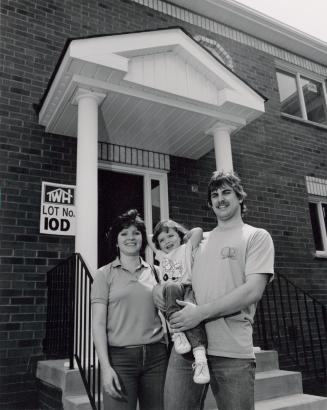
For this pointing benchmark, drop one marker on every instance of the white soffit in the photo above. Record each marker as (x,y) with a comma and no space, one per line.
(259,25)
(162,70)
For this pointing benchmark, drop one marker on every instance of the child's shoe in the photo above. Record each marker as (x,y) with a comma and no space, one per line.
(182,345)
(201,372)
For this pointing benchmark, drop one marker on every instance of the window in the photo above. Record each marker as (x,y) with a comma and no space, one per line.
(302,97)
(317,190)
(318,215)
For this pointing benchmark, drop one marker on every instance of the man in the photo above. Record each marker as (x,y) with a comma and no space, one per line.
(231,269)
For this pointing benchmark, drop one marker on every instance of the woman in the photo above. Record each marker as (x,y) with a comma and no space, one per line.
(127,330)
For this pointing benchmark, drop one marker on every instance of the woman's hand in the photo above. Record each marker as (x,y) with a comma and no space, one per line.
(111,383)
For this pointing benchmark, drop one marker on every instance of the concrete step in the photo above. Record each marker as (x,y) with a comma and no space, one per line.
(276,383)
(57,373)
(80,402)
(266,360)
(274,389)
(268,385)
(290,402)
(293,402)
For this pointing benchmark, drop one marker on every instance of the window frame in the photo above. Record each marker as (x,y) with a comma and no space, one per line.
(323,230)
(299,73)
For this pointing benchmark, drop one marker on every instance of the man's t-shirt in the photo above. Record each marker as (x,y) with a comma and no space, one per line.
(224,260)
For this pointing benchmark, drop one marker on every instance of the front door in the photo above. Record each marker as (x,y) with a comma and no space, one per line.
(118,192)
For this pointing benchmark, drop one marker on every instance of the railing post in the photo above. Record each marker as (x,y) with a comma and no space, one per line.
(263,323)
(72,274)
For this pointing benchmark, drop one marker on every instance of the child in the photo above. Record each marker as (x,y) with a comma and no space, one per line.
(176,258)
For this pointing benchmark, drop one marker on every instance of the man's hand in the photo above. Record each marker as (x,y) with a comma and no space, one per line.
(186,318)
(157,294)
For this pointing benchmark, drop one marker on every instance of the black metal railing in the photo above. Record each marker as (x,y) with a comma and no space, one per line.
(59,339)
(84,349)
(68,327)
(292,322)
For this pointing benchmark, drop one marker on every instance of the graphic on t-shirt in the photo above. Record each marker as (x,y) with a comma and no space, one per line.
(228,252)
(171,270)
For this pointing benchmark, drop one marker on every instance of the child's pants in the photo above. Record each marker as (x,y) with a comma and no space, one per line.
(172,291)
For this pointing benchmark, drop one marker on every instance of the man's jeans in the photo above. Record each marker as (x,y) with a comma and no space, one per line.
(172,291)
(232,383)
(141,371)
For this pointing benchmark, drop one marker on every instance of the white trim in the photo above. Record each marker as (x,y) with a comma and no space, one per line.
(292,68)
(208,88)
(301,96)
(298,74)
(299,119)
(321,254)
(174,101)
(317,190)
(322,223)
(324,91)
(147,212)
(252,26)
(316,187)
(131,169)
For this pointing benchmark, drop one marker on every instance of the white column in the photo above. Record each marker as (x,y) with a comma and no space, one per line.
(86,239)
(223,150)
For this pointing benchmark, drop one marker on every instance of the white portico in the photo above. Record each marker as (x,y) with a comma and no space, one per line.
(158,91)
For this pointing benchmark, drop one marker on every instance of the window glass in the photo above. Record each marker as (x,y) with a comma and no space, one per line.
(288,93)
(313,207)
(314,101)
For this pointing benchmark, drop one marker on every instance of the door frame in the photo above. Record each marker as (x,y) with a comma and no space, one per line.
(148,175)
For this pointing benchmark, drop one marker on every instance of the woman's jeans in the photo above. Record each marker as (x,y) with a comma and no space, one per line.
(172,291)
(232,383)
(141,371)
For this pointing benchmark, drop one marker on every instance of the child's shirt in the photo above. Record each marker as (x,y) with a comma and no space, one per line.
(176,265)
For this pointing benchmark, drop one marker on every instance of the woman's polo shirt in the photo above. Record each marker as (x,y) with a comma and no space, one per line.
(132,316)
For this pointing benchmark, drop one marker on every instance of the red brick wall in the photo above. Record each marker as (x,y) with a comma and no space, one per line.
(272,155)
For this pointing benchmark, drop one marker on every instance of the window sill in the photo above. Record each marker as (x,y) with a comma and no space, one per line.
(303,121)
(320,254)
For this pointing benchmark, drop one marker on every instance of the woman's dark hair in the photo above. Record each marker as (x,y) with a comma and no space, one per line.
(219,179)
(164,226)
(127,219)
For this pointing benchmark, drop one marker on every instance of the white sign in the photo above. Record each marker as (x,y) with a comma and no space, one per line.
(57,209)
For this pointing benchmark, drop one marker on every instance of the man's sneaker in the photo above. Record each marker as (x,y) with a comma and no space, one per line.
(201,372)
(182,345)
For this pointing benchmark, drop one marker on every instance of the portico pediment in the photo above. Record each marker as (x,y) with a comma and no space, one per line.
(163,91)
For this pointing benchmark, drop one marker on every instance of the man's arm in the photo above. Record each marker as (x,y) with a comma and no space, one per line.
(245,295)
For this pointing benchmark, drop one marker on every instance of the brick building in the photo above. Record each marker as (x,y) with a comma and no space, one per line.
(133,103)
